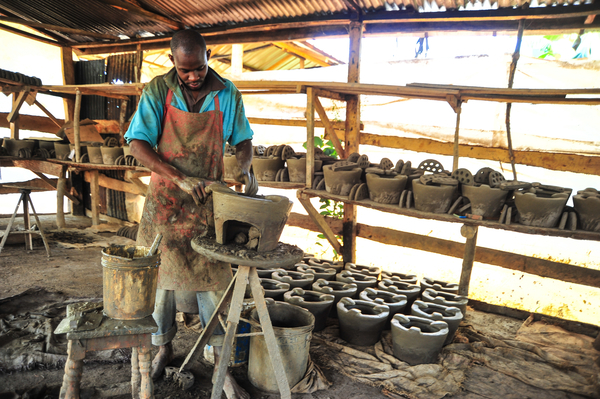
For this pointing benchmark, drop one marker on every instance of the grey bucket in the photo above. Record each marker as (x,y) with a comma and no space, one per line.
(293,327)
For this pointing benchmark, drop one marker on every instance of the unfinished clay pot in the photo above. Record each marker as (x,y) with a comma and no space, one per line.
(13,146)
(395,302)
(265,169)
(438,285)
(411,291)
(406,278)
(264,273)
(362,269)
(540,211)
(231,167)
(417,340)
(297,169)
(340,182)
(126,150)
(95,155)
(337,265)
(109,154)
(317,303)
(233,212)
(336,288)
(362,281)
(294,279)
(47,145)
(485,201)
(430,198)
(62,151)
(446,299)
(361,322)
(319,272)
(587,205)
(385,189)
(274,289)
(432,311)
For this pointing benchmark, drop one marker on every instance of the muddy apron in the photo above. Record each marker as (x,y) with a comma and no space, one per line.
(192,143)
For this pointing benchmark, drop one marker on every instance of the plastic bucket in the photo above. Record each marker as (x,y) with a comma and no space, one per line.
(129,281)
(293,327)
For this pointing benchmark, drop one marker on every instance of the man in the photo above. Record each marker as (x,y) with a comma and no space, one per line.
(188,115)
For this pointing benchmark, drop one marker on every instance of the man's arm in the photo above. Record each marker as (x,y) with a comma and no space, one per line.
(243,154)
(194,186)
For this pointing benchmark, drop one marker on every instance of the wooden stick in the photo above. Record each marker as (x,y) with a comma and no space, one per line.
(76,130)
(50,183)
(456,139)
(329,131)
(48,114)
(511,79)
(310,136)
(122,114)
(319,220)
(95,193)
(18,100)
(470,233)
(61,188)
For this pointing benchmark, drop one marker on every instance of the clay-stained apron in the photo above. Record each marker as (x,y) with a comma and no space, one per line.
(193,143)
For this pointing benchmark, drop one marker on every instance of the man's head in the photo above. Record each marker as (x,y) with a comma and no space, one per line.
(190,57)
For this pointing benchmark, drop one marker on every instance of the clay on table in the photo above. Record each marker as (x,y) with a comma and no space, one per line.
(297,169)
(431,198)
(362,281)
(294,279)
(411,291)
(341,182)
(14,145)
(262,219)
(362,269)
(451,315)
(540,211)
(438,285)
(273,288)
(446,299)
(396,302)
(319,272)
(406,278)
(587,205)
(485,200)
(265,169)
(385,189)
(361,322)
(336,288)
(317,303)
(417,340)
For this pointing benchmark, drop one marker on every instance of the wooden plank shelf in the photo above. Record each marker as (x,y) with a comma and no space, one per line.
(390,208)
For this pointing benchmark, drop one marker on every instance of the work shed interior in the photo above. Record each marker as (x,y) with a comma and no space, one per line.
(426,225)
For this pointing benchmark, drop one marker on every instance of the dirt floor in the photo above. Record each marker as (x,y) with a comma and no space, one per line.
(74,271)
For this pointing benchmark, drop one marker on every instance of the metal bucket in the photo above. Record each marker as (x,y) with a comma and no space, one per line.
(129,281)
(293,327)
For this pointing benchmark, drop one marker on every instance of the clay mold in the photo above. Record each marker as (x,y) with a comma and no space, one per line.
(109,154)
(540,211)
(411,291)
(417,340)
(587,205)
(338,289)
(446,299)
(294,279)
(362,281)
(337,265)
(385,189)
(432,311)
(362,269)
(319,272)
(485,201)
(396,302)
(438,285)
(14,145)
(265,169)
(341,182)
(94,153)
(405,278)
(297,169)
(432,198)
(317,303)
(361,322)
(273,288)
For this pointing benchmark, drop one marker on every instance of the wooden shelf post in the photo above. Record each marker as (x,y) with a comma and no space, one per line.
(470,233)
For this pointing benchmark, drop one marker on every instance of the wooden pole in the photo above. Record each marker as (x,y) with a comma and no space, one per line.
(68,70)
(511,79)
(95,193)
(237,60)
(122,114)
(455,150)
(310,136)
(76,130)
(470,233)
(352,136)
(61,188)
(14,124)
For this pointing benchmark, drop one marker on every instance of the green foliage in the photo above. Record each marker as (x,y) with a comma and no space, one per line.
(326,146)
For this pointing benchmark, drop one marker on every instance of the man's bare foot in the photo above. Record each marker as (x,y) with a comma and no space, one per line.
(164,356)
(230,387)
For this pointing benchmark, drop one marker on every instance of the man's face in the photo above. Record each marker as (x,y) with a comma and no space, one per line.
(191,67)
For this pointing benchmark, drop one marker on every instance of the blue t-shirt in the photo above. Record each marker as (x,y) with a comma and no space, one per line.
(148,119)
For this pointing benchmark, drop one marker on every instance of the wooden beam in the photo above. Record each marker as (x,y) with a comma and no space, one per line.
(279,63)
(113,184)
(329,130)
(95,196)
(228,62)
(293,122)
(52,184)
(48,114)
(323,53)
(59,28)
(30,35)
(18,100)
(310,136)
(304,53)
(46,167)
(331,95)
(319,220)
(68,71)
(237,60)
(548,160)
(35,184)
(133,9)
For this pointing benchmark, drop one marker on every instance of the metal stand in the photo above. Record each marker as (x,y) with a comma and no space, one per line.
(26,220)
(234,298)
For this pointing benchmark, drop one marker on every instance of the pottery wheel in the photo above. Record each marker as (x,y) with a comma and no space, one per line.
(284,256)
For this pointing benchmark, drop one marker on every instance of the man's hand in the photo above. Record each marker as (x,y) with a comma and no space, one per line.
(250,182)
(195,187)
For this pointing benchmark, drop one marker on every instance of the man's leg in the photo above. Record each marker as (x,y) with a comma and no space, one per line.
(164,315)
(207,303)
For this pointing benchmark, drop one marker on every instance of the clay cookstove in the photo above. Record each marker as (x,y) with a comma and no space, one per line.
(256,222)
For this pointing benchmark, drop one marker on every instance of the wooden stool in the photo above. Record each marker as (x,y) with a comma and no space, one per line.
(26,199)
(112,334)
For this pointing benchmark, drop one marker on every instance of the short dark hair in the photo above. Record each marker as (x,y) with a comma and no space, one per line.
(187,41)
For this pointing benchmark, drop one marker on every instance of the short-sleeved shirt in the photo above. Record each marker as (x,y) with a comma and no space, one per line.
(147,122)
